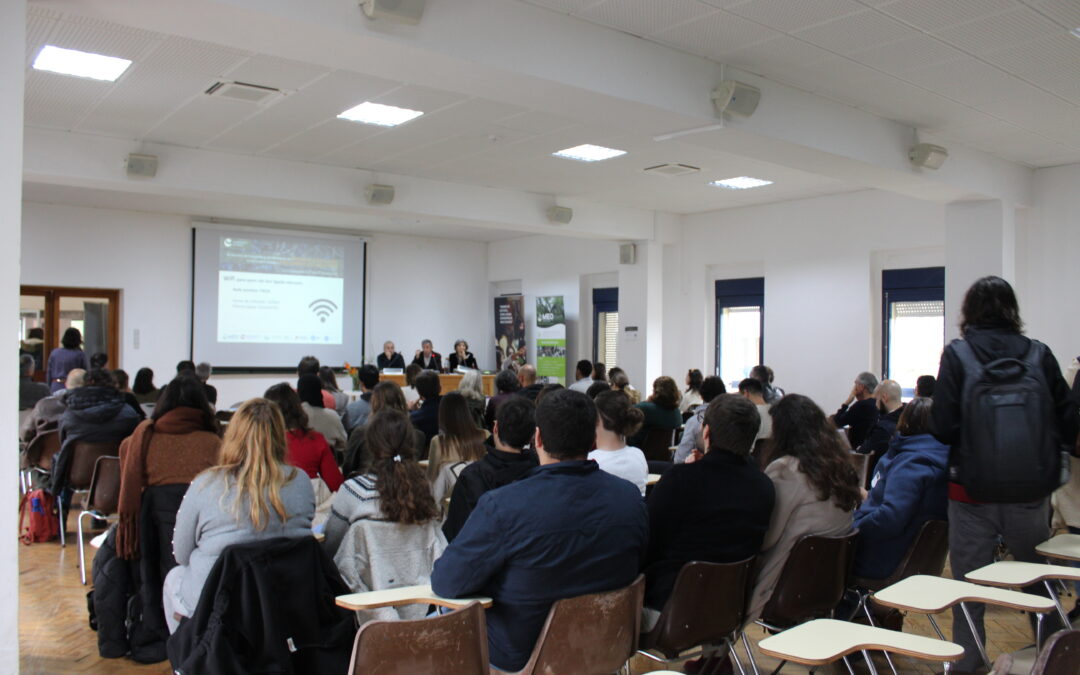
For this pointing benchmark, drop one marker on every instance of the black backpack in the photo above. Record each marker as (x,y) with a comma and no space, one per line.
(1010,448)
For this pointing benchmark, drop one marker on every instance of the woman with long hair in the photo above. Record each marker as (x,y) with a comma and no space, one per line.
(251,495)
(143,387)
(661,409)
(385,396)
(472,388)
(459,443)
(65,359)
(177,443)
(691,398)
(320,418)
(817,488)
(616,419)
(330,386)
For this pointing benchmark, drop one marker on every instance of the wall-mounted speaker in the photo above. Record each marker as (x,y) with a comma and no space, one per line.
(398,11)
(560,214)
(627,254)
(736,98)
(928,155)
(379,195)
(141,166)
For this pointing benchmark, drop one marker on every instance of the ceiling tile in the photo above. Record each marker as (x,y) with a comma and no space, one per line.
(59,101)
(1046,55)
(564,5)
(1036,110)
(645,17)
(966,80)
(714,35)
(38,28)
(323,139)
(199,120)
(999,31)
(939,14)
(787,16)
(267,71)
(856,32)
(417,97)
(907,54)
(780,53)
(535,122)
(1065,12)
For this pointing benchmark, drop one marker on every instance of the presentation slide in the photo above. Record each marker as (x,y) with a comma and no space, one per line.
(265,298)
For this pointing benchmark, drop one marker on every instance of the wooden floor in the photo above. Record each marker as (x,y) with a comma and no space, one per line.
(55,636)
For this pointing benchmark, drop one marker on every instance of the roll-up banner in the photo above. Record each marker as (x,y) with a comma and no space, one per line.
(551,338)
(509,331)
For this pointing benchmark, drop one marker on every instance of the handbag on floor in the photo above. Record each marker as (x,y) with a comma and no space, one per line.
(44,523)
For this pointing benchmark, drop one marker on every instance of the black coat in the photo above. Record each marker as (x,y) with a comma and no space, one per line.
(395,361)
(426,419)
(436,361)
(877,441)
(261,599)
(495,469)
(469,361)
(114,584)
(860,416)
(92,414)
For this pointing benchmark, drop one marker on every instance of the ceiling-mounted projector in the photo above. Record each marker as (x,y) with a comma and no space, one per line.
(407,12)
(736,98)
(928,155)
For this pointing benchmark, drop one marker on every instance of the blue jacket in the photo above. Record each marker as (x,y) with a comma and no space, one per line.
(910,487)
(562,530)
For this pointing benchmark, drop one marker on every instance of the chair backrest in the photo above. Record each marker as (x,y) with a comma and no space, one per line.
(657,444)
(449,643)
(707,604)
(861,462)
(1060,655)
(926,555)
(593,634)
(224,416)
(813,580)
(41,450)
(84,455)
(105,486)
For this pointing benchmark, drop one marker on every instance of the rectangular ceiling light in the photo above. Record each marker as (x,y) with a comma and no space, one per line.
(379,114)
(1076,32)
(589,153)
(80,64)
(741,183)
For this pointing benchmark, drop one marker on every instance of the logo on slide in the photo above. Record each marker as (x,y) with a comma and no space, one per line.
(323,308)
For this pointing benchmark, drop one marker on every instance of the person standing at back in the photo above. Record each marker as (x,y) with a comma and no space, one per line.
(68,357)
(1002,468)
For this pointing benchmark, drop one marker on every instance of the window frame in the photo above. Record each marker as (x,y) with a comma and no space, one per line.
(913,284)
(603,300)
(745,292)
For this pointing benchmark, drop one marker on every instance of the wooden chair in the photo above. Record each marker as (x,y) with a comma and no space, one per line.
(657,444)
(101,501)
(450,644)
(84,456)
(1060,656)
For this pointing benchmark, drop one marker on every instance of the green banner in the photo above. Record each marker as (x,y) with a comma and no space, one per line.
(551,338)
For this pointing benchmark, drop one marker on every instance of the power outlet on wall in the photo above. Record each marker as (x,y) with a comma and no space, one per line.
(135,338)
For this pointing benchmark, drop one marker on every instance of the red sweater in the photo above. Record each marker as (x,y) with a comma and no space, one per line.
(308,450)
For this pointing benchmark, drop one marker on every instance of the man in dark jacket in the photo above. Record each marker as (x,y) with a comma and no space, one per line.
(887,397)
(503,464)
(565,529)
(426,417)
(859,411)
(530,388)
(991,327)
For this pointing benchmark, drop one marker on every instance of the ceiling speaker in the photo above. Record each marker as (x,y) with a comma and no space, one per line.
(928,155)
(141,166)
(736,98)
(407,12)
(560,214)
(627,254)
(380,195)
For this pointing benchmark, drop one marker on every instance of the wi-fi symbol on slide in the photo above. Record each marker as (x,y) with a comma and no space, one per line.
(323,308)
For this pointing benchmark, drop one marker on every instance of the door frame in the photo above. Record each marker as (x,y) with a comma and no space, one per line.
(52,315)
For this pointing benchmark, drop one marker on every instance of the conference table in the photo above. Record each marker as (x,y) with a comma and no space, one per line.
(448,382)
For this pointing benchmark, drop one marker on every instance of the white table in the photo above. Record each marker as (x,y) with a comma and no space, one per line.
(406,595)
(1062,547)
(652,479)
(1013,574)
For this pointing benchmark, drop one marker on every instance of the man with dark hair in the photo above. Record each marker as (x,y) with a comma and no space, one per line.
(716,510)
(753,391)
(30,392)
(356,413)
(859,411)
(596,388)
(924,386)
(99,360)
(582,376)
(506,385)
(426,417)
(564,529)
(599,372)
(309,365)
(530,388)
(764,375)
(185,366)
(692,441)
(515,424)
(427,358)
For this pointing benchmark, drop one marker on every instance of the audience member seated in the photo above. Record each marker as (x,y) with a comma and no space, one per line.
(121,378)
(889,406)
(389,358)
(63,360)
(764,375)
(99,360)
(356,412)
(530,388)
(817,488)
(619,381)
(596,388)
(307,449)
(924,386)
(506,384)
(320,419)
(616,419)
(30,392)
(252,495)
(459,443)
(753,391)
(412,397)
(309,365)
(505,463)
(95,412)
(385,396)
(179,441)
(143,388)
(909,488)
(565,529)
(383,529)
(582,376)
(34,345)
(693,441)
(472,388)
(715,510)
(661,410)
(330,386)
(691,398)
(427,358)
(203,371)
(599,372)
(47,412)
(426,416)
(860,417)
(547,389)
(461,357)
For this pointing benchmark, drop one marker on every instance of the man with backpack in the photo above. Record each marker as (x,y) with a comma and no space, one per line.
(1004,407)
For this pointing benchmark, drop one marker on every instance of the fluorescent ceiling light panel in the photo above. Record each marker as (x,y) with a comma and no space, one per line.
(589,153)
(80,64)
(1076,32)
(741,183)
(379,114)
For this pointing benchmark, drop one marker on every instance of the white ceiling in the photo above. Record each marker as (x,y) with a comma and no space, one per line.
(1002,76)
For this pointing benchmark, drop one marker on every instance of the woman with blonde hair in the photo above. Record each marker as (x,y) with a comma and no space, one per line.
(251,495)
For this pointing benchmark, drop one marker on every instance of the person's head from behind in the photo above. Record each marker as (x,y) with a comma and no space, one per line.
(99,360)
(547,389)
(99,377)
(711,387)
(599,372)
(888,393)
(752,390)
(565,426)
(411,371)
(328,378)
(665,393)
(388,396)
(598,387)
(506,382)
(309,365)
(26,365)
(35,334)
(72,338)
(762,374)
(865,384)
(76,378)
(455,418)
(404,491)
(288,402)
(694,379)
(309,389)
(801,431)
(186,366)
(203,370)
(427,385)
(616,414)
(527,375)
(618,379)
(253,462)
(515,423)
(730,424)
(121,378)
(991,303)
(368,376)
(584,369)
(925,385)
(185,391)
(144,381)
(472,385)
(915,419)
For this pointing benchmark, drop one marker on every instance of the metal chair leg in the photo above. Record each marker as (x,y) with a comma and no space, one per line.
(870,618)
(1057,603)
(847,663)
(63,521)
(749,652)
(82,554)
(975,636)
(869,662)
(735,657)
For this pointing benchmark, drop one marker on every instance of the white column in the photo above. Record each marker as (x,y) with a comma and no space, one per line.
(12,66)
(980,240)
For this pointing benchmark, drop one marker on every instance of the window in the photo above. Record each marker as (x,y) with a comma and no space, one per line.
(740,328)
(913,324)
(606,326)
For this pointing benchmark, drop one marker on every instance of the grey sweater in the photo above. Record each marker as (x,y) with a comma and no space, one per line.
(206,524)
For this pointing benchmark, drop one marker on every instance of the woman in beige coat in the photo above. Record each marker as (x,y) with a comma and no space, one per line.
(817,489)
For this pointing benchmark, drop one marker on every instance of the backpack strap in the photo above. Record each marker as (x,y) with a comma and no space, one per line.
(971,363)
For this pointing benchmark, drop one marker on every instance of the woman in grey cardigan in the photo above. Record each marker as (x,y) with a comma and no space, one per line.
(251,495)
